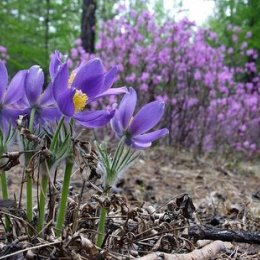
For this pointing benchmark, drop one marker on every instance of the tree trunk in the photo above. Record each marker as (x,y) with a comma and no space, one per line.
(88,22)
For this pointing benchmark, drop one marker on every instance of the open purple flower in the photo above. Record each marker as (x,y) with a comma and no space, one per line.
(134,128)
(87,83)
(43,102)
(10,96)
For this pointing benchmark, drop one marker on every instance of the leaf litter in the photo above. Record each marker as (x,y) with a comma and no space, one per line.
(152,213)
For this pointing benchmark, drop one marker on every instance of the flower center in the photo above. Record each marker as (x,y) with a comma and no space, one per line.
(79,100)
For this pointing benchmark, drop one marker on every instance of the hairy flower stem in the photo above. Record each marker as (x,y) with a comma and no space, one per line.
(43,194)
(4,187)
(29,206)
(56,134)
(101,226)
(112,167)
(32,116)
(64,195)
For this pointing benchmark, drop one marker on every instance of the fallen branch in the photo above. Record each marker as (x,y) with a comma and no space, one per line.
(205,253)
(212,233)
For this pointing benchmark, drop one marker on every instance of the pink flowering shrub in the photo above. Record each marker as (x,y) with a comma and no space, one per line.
(212,101)
(3,54)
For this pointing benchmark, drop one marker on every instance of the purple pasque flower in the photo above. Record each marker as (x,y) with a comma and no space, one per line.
(43,102)
(10,96)
(86,84)
(134,128)
(55,63)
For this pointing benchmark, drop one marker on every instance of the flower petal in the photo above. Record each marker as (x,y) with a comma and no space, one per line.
(3,78)
(127,107)
(149,115)
(47,98)
(87,115)
(33,84)
(65,102)
(111,91)
(95,119)
(11,115)
(55,63)
(90,78)
(60,82)
(117,126)
(15,90)
(140,146)
(48,114)
(150,137)
(110,78)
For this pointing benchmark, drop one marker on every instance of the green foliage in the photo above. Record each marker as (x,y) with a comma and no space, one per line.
(242,13)
(159,10)
(32,29)
(106,9)
(113,166)
(162,14)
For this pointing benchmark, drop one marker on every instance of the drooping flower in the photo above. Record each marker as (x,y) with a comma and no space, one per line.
(43,102)
(134,128)
(10,96)
(86,84)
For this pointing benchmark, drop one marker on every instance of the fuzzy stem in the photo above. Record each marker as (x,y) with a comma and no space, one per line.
(4,187)
(29,207)
(32,116)
(56,134)
(43,194)
(29,204)
(101,226)
(64,196)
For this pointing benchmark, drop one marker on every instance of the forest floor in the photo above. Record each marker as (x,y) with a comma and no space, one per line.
(225,194)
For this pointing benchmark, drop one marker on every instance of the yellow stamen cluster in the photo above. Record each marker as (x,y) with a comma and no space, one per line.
(79,100)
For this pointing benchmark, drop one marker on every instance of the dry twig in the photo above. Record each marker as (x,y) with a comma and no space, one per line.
(205,253)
